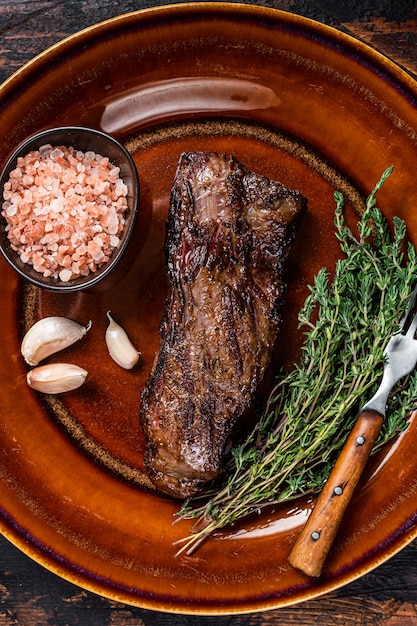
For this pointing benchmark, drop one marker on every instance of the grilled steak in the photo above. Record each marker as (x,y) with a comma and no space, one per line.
(228,235)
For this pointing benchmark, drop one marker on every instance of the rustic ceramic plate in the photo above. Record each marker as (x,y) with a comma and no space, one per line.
(292,99)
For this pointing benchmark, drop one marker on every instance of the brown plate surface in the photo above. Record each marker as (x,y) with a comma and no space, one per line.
(292,99)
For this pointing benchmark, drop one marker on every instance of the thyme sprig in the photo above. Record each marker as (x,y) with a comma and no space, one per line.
(311,410)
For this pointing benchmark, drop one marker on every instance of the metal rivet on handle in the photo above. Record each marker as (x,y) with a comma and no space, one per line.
(338,491)
(315,535)
(360,440)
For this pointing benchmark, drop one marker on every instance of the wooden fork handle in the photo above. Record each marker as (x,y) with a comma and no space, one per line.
(312,546)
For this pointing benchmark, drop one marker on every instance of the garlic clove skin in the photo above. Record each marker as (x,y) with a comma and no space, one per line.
(120,348)
(56,377)
(50,335)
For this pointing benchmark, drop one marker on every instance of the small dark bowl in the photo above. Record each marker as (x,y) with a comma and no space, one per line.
(84,139)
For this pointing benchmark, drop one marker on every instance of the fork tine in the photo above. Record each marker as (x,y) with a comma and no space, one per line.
(413,327)
(405,320)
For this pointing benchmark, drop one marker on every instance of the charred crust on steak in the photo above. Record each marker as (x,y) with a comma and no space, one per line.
(229,232)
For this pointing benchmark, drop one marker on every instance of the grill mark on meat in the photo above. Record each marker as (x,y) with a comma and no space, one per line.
(229,232)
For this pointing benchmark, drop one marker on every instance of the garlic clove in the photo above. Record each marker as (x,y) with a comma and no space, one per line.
(56,377)
(50,335)
(120,348)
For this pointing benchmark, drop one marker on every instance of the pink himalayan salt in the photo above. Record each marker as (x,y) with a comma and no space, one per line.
(65,210)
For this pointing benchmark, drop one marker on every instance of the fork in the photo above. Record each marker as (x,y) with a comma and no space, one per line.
(315,540)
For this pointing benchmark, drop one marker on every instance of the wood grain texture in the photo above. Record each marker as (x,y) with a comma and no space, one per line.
(29,594)
(309,552)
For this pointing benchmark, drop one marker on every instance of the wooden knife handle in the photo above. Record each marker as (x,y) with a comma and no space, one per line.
(312,546)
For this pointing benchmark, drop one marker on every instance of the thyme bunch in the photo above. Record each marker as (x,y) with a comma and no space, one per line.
(347,322)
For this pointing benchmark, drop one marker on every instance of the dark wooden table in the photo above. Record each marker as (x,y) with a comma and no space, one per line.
(30,595)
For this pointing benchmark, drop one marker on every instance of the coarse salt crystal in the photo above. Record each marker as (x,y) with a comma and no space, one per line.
(56,153)
(65,275)
(11,210)
(45,149)
(16,173)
